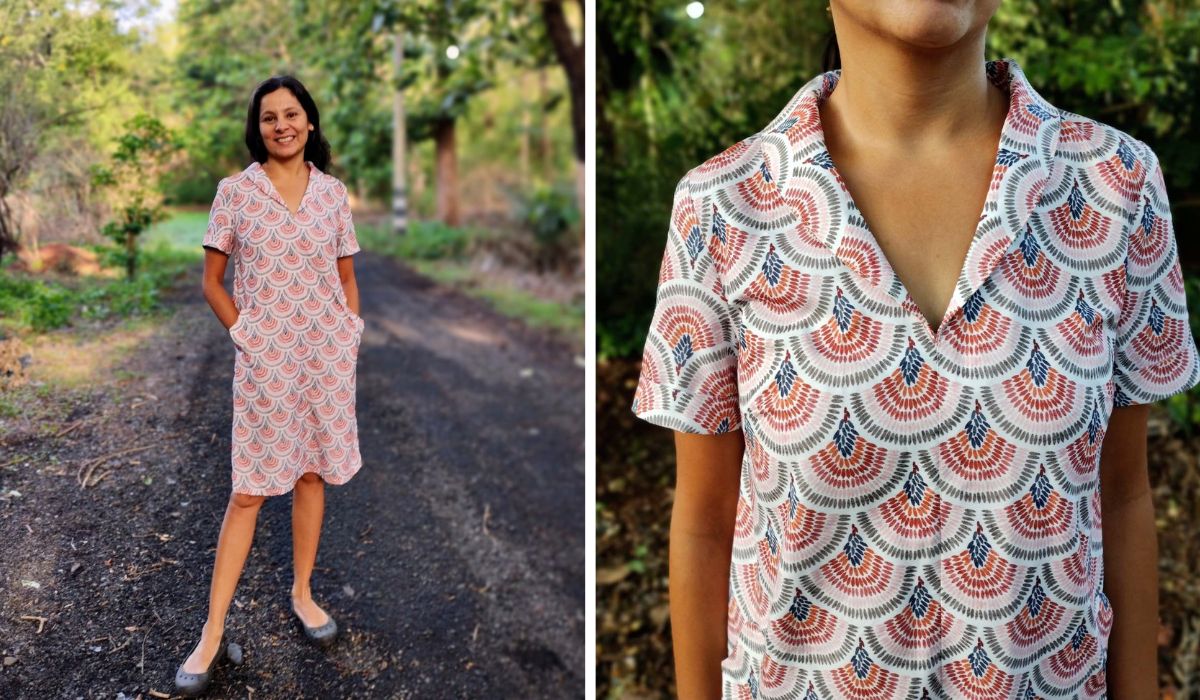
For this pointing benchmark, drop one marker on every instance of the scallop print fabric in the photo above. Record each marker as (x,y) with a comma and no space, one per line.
(919,511)
(296,338)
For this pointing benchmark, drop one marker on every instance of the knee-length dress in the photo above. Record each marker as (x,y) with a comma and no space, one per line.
(296,338)
(919,510)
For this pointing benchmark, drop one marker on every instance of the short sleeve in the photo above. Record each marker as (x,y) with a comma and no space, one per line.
(219,235)
(1156,354)
(347,239)
(688,379)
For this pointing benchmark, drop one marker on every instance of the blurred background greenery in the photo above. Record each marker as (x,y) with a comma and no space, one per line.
(677,83)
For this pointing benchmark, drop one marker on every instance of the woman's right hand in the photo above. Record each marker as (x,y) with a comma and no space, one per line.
(707,476)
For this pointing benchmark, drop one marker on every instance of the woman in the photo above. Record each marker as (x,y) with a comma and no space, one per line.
(924,347)
(293,320)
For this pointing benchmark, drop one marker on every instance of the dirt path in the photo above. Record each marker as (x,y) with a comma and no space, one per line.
(454,560)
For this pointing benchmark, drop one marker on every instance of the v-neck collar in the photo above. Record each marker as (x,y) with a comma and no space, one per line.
(263,181)
(1028,141)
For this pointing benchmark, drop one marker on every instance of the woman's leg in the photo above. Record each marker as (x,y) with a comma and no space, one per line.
(308,510)
(237,532)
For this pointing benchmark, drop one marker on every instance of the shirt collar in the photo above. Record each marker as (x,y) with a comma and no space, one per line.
(261,180)
(812,188)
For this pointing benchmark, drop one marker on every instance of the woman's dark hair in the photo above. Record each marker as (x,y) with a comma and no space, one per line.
(316,148)
(831,59)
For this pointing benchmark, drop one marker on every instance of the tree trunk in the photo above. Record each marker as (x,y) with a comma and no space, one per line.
(130,255)
(526,136)
(571,58)
(545,151)
(8,230)
(364,192)
(447,172)
(399,141)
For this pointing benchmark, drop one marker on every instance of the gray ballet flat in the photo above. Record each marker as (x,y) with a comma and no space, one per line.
(192,685)
(323,635)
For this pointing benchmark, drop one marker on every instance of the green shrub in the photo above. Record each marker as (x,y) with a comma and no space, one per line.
(45,304)
(550,213)
(50,307)
(424,240)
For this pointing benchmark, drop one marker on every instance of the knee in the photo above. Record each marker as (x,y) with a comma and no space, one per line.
(310,478)
(246,501)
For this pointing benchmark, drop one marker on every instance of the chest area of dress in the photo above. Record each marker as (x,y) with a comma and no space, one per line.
(268,232)
(825,341)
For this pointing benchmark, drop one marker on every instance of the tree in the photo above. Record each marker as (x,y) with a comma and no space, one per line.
(58,69)
(131,180)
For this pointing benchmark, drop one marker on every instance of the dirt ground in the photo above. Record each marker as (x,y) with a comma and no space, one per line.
(453,562)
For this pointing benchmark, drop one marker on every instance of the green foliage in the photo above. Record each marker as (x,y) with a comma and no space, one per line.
(676,91)
(1135,66)
(550,213)
(425,240)
(63,74)
(342,52)
(41,305)
(433,240)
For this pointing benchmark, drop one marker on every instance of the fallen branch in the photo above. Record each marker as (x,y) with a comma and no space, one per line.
(88,468)
(69,428)
(35,618)
(13,461)
(132,573)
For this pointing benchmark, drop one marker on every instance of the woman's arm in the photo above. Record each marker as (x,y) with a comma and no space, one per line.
(345,267)
(708,468)
(1130,556)
(214,287)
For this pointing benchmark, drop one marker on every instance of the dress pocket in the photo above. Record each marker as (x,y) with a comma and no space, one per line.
(356,322)
(244,320)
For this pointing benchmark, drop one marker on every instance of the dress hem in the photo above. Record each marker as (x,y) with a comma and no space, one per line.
(292,487)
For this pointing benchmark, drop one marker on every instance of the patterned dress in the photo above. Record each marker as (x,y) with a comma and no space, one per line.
(296,338)
(919,511)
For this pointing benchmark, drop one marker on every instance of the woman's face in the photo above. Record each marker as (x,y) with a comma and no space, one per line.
(283,124)
(921,24)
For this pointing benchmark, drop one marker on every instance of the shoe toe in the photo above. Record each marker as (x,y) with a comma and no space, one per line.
(190,684)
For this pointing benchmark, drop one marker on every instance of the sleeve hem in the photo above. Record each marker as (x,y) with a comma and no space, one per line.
(1135,393)
(675,421)
(676,417)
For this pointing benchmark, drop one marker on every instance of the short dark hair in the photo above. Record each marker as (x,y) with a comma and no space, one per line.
(316,149)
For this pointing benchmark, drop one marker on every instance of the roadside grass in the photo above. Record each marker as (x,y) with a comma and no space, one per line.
(442,253)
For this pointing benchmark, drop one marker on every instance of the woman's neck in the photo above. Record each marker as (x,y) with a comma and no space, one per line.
(294,167)
(891,97)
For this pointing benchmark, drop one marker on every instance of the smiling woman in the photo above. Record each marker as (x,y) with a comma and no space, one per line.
(292,321)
